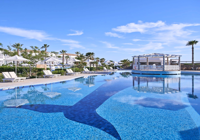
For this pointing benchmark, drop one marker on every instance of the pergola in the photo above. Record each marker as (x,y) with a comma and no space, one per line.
(158,55)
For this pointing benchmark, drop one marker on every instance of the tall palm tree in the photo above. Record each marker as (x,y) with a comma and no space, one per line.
(18,47)
(78,53)
(102,60)
(45,46)
(97,61)
(63,58)
(1,47)
(90,55)
(67,57)
(192,43)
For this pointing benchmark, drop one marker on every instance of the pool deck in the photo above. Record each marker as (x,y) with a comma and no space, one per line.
(190,72)
(36,81)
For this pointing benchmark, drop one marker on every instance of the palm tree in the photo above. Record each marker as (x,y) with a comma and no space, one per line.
(63,58)
(90,55)
(67,57)
(1,47)
(193,42)
(45,47)
(78,53)
(102,60)
(97,61)
(18,47)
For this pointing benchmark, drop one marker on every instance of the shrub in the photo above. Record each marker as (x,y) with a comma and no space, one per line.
(62,72)
(23,71)
(76,69)
(91,68)
(1,77)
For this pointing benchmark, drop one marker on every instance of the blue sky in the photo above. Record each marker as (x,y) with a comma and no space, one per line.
(112,29)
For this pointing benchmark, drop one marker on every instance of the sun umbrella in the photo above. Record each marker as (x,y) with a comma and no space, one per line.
(99,64)
(16,58)
(88,60)
(52,59)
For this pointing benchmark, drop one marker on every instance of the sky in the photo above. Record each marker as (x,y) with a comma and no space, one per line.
(112,29)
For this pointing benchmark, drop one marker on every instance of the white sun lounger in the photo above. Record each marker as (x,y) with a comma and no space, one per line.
(87,71)
(13,75)
(112,69)
(50,73)
(7,77)
(46,74)
(69,72)
(104,68)
(73,72)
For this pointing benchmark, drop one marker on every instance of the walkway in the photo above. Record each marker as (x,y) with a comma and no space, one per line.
(27,82)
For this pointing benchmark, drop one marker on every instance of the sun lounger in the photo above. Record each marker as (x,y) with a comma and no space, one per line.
(50,73)
(69,72)
(73,72)
(87,71)
(46,74)
(7,77)
(13,75)
(112,69)
(104,68)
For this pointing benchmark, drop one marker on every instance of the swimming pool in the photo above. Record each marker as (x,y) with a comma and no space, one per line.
(115,106)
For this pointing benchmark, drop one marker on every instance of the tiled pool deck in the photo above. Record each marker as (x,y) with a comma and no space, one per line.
(28,82)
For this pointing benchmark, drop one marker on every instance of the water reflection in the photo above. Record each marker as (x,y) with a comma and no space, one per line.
(163,88)
(193,96)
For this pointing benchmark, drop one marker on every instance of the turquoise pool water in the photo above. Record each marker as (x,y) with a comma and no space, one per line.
(110,107)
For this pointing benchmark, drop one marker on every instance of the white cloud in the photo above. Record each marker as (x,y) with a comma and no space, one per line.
(68,41)
(128,43)
(113,34)
(140,27)
(30,34)
(76,33)
(168,34)
(38,35)
(135,40)
(72,46)
(109,45)
(143,48)
(149,46)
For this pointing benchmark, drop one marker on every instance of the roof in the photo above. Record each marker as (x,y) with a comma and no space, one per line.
(158,55)
(69,54)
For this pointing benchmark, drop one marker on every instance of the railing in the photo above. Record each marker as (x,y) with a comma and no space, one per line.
(156,68)
(171,67)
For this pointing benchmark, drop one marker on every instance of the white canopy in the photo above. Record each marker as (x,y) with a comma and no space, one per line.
(76,60)
(158,55)
(88,60)
(16,58)
(52,59)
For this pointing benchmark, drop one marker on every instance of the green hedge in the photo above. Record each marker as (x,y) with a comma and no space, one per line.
(62,72)
(1,77)
(19,69)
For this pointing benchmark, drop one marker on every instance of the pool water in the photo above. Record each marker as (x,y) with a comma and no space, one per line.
(110,107)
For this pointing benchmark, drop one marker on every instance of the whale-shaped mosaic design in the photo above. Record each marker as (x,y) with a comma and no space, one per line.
(84,111)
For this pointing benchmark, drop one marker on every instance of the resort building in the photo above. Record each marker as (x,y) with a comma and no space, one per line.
(69,61)
(156,63)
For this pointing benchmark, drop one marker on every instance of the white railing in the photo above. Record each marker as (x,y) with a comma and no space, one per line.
(156,67)
(171,67)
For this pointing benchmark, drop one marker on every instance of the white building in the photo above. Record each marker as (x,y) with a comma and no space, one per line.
(150,63)
(70,60)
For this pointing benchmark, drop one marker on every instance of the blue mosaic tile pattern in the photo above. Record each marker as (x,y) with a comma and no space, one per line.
(99,107)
